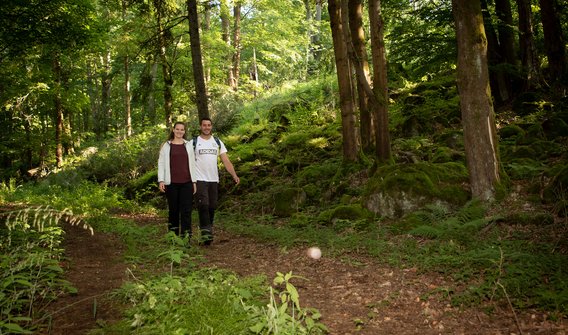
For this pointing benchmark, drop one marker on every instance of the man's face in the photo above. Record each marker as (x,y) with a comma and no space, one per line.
(206,127)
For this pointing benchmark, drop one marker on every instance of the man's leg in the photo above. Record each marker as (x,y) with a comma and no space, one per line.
(172,194)
(203,210)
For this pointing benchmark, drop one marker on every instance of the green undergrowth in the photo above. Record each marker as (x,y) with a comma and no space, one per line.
(169,290)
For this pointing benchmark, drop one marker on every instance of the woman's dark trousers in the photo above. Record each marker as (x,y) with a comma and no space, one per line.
(180,201)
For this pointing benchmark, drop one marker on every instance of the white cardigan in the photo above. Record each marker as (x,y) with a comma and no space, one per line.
(164,162)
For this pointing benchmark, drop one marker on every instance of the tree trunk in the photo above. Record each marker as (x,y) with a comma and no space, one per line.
(506,31)
(475,100)
(226,37)
(58,112)
(379,109)
(553,39)
(127,111)
(529,60)
(208,4)
(105,111)
(348,120)
(362,65)
(497,78)
(166,67)
(237,45)
(196,60)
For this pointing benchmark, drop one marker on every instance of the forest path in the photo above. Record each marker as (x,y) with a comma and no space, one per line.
(355,294)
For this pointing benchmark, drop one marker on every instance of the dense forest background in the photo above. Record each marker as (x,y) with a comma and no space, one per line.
(426,132)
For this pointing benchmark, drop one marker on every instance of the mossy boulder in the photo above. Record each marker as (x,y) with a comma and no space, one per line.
(556,191)
(511,132)
(399,189)
(287,200)
(352,212)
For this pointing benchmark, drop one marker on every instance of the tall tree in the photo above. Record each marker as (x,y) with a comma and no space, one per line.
(529,60)
(164,40)
(348,120)
(196,59)
(553,39)
(500,83)
(380,89)
(126,62)
(236,60)
(361,63)
(225,16)
(506,31)
(475,100)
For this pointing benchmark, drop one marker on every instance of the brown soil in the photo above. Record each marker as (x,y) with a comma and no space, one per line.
(355,294)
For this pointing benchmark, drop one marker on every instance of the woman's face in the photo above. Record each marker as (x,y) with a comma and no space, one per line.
(179,131)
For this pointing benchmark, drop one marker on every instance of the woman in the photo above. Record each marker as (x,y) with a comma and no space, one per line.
(175,164)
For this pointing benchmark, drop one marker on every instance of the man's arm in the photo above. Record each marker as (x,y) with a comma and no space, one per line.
(229,167)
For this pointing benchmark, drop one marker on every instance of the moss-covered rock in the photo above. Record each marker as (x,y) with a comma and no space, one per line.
(352,212)
(511,132)
(396,190)
(557,189)
(287,200)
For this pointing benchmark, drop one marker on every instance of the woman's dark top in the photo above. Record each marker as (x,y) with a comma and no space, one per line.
(179,164)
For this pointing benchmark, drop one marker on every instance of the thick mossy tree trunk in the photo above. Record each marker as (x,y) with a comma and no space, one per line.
(478,116)
(196,60)
(380,108)
(362,70)
(348,121)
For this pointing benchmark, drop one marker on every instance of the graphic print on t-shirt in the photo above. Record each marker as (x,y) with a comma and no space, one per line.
(207,152)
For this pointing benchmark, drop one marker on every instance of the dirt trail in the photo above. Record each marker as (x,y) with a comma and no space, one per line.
(355,295)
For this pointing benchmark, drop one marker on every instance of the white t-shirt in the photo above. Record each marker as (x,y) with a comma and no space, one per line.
(206,153)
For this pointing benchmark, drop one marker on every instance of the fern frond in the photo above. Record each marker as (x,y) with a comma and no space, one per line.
(426,231)
(40,218)
(473,210)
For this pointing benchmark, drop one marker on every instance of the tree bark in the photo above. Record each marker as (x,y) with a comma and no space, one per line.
(348,121)
(196,60)
(553,39)
(362,72)
(166,67)
(529,60)
(475,100)
(237,45)
(497,78)
(106,110)
(379,109)
(126,61)
(58,112)
(226,37)
(506,31)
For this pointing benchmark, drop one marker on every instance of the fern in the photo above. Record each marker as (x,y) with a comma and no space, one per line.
(39,219)
(426,232)
(473,210)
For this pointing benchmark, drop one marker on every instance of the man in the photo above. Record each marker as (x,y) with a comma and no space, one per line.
(206,175)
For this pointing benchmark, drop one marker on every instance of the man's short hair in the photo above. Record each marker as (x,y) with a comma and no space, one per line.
(206,118)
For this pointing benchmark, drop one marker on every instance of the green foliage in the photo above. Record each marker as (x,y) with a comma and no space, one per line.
(119,162)
(212,301)
(286,316)
(30,273)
